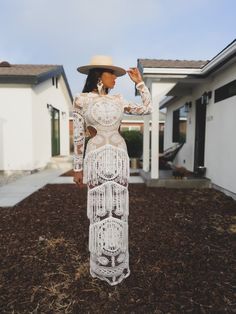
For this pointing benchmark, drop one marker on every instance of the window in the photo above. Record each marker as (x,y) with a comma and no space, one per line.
(55,81)
(179,125)
(225,91)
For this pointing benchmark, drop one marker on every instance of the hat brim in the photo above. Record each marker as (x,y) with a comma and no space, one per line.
(117,70)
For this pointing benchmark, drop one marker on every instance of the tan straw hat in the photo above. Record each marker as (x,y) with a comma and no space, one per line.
(104,62)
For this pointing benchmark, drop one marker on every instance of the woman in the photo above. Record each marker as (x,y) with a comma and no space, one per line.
(105,166)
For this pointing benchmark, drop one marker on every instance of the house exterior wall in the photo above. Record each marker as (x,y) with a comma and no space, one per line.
(46,94)
(220,150)
(25,124)
(15,127)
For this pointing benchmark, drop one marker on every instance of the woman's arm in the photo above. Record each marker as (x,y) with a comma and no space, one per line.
(146,106)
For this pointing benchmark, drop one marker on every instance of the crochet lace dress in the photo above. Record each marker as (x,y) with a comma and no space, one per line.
(106,173)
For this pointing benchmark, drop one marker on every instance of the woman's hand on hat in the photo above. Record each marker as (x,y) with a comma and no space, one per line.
(78,178)
(135,75)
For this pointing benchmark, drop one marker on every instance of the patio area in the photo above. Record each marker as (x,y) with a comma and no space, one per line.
(168,180)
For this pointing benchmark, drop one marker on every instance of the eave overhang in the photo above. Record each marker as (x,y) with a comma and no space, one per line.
(35,79)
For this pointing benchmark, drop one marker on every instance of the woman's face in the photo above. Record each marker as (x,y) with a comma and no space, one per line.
(108,79)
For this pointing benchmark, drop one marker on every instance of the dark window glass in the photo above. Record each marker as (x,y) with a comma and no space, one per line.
(225,91)
(175,134)
(179,126)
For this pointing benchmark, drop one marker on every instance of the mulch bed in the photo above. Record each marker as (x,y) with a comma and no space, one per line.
(181,254)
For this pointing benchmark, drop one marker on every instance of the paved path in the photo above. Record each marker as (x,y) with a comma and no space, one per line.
(14,192)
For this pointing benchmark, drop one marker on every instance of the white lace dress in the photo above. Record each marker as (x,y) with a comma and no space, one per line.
(106,172)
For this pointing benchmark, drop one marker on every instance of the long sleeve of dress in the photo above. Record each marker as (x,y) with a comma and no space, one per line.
(139,109)
(79,133)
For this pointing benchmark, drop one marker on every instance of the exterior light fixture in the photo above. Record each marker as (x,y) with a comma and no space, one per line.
(50,108)
(205,98)
(63,113)
(187,106)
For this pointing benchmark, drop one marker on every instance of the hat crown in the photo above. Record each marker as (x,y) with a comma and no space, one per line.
(101,60)
(104,62)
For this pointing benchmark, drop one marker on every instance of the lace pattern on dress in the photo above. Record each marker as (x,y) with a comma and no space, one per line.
(106,200)
(107,163)
(106,172)
(79,134)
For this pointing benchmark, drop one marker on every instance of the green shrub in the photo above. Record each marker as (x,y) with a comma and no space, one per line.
(161,141)
(134,142)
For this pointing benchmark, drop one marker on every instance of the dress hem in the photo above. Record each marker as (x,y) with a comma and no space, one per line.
(122,277)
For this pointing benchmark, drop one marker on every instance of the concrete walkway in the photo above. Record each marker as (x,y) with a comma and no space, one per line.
(14,192)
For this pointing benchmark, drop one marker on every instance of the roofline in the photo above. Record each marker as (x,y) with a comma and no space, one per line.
(66,82)
(220,59)
(224,56)
(36,79)
(215,63)
(226,48)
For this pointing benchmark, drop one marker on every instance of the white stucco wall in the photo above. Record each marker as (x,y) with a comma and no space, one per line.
(220,148)
(43,94)
(15,128)
(25,124)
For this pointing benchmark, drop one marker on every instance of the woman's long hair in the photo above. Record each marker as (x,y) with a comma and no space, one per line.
(92,80)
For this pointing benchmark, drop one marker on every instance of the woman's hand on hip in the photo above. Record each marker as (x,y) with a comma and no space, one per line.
(135,75)
(78,178)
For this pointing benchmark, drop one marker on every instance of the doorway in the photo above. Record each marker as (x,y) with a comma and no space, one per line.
(55,131)
(200,132)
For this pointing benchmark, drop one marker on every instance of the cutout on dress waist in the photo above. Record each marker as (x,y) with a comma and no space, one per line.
(92,131)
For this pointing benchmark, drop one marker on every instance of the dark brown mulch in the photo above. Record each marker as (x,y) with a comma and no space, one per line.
(181,254)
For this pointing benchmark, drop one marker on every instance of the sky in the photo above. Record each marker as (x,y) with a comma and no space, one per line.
(70,32)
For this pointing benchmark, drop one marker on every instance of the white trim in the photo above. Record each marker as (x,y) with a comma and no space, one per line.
(219,58)
(158,77)
(171,71)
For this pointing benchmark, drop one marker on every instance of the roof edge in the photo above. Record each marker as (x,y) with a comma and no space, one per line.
(221,58)
(56,72)
(36,79)
(217,61)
